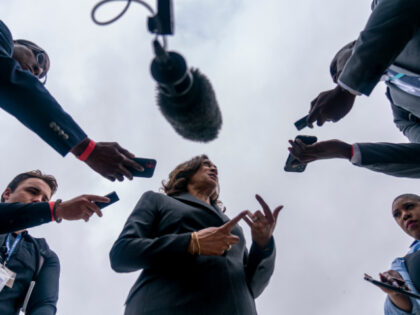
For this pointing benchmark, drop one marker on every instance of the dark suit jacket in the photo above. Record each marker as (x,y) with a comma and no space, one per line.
(20,216)
(390,39)
(412,262)
(155,238)
(24,261)
(23,96)
(401,159)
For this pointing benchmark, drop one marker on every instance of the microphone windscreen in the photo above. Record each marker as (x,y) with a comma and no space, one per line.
(195,115)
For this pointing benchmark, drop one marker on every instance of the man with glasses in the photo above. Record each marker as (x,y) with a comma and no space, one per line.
(22,65)
(23,52)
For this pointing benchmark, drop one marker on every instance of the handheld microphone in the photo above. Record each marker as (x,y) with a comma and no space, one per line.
(185,97)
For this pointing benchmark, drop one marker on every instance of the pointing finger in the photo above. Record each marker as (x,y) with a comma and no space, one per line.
(96,198)
(228,226)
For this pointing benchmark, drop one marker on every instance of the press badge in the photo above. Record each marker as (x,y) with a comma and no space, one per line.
(7,277)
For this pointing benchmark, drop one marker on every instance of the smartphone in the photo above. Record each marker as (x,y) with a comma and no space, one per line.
(113,197)
(149,167)
(290,159)
(391,287)
(301,123)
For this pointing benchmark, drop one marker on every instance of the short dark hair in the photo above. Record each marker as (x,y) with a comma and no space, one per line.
(346,49)
(48,179)
(35,49)
(413,196)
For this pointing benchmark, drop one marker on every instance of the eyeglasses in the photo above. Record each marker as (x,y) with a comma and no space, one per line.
(40,55)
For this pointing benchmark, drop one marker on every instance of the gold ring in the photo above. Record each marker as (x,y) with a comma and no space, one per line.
(229,247)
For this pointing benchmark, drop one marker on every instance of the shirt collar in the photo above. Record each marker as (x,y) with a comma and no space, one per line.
(415,246)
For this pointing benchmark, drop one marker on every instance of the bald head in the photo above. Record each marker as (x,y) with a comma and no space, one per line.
(409,196)
(406,212)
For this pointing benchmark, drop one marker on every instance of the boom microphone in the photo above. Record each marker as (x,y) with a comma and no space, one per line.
(185,97)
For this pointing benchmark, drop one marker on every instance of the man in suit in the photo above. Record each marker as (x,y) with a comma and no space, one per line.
(29,270)
(405,271)
(388,46)
(17,215)
(25,97)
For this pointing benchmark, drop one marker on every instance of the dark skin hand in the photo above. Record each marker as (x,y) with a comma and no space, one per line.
(109,159)
(214,241)
(330,105)
(392,277)
(330,149)
(82,207)
(262,224)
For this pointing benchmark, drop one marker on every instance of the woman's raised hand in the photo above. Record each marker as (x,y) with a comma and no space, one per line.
(214,241)
(262,224)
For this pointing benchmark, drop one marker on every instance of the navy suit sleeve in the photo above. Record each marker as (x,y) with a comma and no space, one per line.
(44,297)
(24,97)
(390,27)
(18,216)
(401,160)
(259,267)
(139,246)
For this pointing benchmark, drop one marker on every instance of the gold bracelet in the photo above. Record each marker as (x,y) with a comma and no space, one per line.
(192,244)
(198,243)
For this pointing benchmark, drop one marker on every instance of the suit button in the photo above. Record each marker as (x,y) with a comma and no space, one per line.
(53,124)
(65,136)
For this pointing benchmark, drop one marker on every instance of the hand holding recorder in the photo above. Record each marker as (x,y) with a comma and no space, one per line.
(393,284)
(305,153)
(83,207)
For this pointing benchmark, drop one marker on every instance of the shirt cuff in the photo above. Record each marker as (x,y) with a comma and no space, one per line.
(391,309)
(347,88)
(356,158)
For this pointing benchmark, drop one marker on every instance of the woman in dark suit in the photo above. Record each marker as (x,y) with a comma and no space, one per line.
(193,257)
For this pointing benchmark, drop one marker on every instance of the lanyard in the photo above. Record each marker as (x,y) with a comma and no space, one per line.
(11,249)
(409,84)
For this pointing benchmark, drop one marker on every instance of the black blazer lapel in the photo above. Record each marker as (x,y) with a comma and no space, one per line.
(190,199)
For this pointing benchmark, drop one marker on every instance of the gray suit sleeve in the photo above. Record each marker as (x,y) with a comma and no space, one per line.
(259,267)
(390,27)
(409,128)
(139,246)
(401,160)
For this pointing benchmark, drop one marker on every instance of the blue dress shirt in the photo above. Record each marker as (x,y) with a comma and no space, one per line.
(399,265)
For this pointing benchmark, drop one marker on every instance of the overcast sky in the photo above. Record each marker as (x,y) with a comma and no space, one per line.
(266,60)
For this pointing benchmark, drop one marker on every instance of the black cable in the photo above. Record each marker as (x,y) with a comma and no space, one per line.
(100,3)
